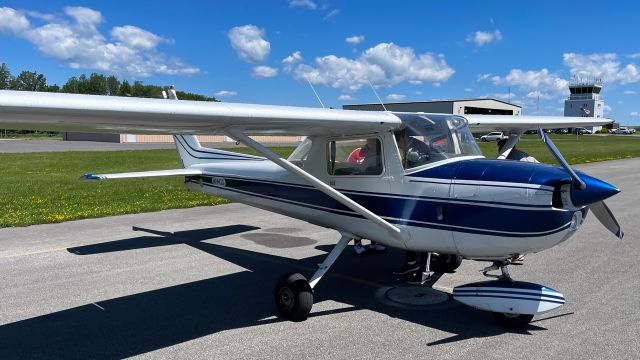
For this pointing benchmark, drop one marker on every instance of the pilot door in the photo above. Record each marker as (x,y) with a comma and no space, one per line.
(422,202)
(357,168)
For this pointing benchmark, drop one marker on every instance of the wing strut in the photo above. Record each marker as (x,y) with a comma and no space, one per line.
(394,231)
(514,137)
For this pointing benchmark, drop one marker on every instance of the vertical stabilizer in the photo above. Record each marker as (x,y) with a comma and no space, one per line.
(192,153)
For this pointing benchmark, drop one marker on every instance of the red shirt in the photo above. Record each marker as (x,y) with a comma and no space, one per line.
(358,155)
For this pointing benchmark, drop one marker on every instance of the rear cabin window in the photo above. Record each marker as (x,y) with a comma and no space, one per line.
(355,157)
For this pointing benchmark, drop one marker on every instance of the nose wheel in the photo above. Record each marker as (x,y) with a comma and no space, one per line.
(512,320)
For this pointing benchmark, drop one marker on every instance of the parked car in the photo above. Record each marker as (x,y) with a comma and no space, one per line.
(581,131)
(633,130)
(622,130)
(561,131)
(494,136)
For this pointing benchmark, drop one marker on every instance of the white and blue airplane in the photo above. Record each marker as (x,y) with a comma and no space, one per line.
(423,184)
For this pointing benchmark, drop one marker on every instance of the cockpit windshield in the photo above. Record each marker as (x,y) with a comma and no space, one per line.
(427,138)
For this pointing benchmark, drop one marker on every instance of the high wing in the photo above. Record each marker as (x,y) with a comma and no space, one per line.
(73,112)
(523,123)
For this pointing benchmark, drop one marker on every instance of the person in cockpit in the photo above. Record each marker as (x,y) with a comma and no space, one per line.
(413,152)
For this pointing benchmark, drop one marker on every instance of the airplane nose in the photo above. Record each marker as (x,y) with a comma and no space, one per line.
(596,190)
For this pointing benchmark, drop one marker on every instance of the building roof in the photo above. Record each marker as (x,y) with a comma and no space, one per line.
(437,101)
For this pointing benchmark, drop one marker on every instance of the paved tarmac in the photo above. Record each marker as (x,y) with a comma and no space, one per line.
(198,283)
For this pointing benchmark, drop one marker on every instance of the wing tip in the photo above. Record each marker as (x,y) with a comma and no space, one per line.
(90,176)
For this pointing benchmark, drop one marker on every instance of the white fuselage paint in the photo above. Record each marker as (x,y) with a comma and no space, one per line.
(264,177)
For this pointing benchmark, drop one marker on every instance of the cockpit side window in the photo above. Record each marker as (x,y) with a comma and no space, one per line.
(355,157)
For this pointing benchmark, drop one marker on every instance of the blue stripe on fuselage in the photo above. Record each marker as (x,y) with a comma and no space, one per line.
(470,217)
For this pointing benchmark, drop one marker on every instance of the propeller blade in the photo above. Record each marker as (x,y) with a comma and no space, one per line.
(578,183)
(602,212)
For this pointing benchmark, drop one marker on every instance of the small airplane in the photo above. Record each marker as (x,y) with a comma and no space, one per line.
(423,184)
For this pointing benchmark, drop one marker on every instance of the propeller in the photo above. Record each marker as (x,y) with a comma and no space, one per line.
(588,191)
(602,212)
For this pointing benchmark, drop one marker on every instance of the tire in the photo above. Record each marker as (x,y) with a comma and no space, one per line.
(483,139)
(294,297)
(445,263)
(512,320)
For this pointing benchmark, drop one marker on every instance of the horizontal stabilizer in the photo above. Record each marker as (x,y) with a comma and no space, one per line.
(141,174)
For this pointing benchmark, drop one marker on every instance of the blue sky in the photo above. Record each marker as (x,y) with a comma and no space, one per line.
(266,51)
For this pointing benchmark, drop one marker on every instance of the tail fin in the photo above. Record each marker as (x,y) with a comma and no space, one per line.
(192,153)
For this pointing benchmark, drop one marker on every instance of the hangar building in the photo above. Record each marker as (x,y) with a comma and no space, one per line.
(457,107)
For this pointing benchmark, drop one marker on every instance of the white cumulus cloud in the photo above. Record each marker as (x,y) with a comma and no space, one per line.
(303,3)
(385,64)
(346,97)
(546,84)
(135,37)
(482,38)
(396,97)
(262,72)
(226,93)
(75,40)
(630,92)
(468,90)
(12,21)
(605,66)
(249,43)
(355,39)
(291,61)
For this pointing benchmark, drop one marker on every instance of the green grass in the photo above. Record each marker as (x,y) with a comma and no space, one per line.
(41,188)
(575,149)
(38,188)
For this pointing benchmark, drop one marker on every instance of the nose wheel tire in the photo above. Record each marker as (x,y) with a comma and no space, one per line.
(294,297)
(512,320)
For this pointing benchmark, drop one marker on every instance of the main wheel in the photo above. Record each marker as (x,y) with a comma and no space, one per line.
(512,320)
(445,263)
(294,297)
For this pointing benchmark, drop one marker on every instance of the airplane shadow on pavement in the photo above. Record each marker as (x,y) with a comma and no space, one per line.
(143,322)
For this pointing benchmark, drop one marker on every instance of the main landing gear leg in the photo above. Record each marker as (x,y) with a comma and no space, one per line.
(294,294)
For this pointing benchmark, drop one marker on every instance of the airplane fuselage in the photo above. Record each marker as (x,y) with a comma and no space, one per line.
(478,208)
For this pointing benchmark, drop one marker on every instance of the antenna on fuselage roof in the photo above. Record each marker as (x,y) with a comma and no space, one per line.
(314,91)
(376,93)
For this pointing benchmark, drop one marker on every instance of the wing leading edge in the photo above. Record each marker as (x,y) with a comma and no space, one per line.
(522,123)
(74,112)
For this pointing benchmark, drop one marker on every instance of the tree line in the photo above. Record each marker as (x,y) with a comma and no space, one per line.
(94,84)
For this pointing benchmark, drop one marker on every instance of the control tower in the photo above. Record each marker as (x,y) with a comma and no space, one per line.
(584,100)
